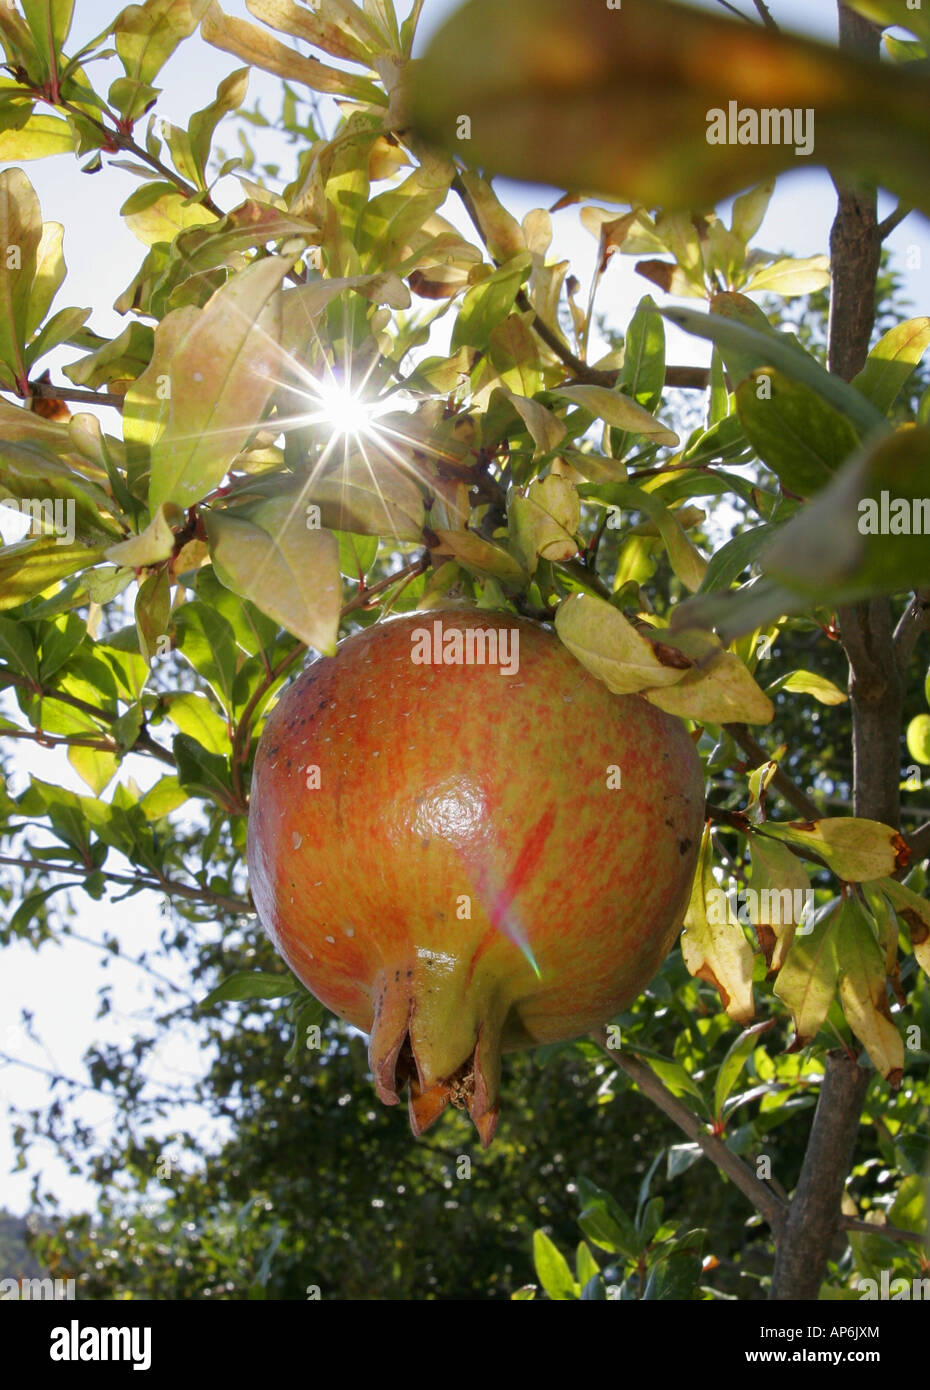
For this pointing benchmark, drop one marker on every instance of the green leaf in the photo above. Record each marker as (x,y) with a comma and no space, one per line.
(28,567)
(892,361)
(251,984)
(126,356)
(207,641)
(158,212)
(489,302)
(480,556)
(806,983)
(865,534)
(16,649)
(717,952)
(686,560)
(230,94)
(201,773)
(616,103)
(760,349)
(552,1269)
(794,432)
(194,715)
(289,570)
(151,546)
(728,563)
(49,274)
(50,23)
(731,1067)
(222,375)
(545,522)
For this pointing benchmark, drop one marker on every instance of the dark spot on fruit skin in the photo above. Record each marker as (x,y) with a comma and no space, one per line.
(684,846)
(409,974)
(274,750)
(396,975)
(670,824)
(322,704)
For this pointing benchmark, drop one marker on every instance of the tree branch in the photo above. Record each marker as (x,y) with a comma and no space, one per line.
(781,781)
(143,744)
(919,842)
(869,1228)
(815,1215)
(158,885)
(47,390)
(914,621)
(762,1197)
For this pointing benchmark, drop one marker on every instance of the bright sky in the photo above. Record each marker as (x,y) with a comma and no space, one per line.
(59,984)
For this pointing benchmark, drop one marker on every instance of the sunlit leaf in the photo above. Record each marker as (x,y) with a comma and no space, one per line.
(222,375)
(717,952)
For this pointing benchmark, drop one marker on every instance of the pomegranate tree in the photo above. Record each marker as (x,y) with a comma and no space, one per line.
(463,843)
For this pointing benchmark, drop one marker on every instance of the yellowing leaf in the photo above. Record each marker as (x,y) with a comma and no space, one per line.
(781,891)
(546,429)
(809,683)
(918,738)
(40,137)
(791,276)
(340,28)
(546,521)
(20,236)
(481,556)
(253,45)
(146,403)
(718,690)
(370,496)
(221,377)
(892,360)
(158,212)
(289,570)
(147,34)
(855,849)
(620,411)
(611,648)
(718,951)
(864,994)
(155,543)
(914,911)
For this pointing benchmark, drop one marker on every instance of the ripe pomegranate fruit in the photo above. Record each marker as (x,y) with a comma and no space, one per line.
(462,858)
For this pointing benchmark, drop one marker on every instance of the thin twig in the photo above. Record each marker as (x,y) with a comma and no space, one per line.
(868,1228)
(158,885)
(781,781)
(762,1197)
(914,621)
(143,744)
(894,219)
(764,14)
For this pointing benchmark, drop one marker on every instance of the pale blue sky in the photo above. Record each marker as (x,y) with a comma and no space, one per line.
(60,984)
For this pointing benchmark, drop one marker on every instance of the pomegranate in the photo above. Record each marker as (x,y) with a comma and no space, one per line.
(463,843)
